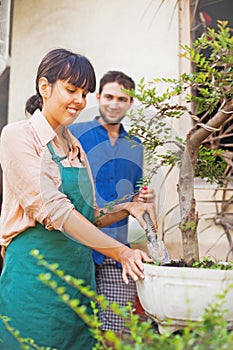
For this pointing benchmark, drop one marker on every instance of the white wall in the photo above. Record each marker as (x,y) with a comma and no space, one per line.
(135,36)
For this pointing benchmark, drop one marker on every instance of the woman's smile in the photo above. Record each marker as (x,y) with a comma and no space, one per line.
(73,111)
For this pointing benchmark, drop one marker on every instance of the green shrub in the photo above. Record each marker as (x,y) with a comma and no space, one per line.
(210,333)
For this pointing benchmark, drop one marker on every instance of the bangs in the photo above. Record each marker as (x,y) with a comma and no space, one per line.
(79,72)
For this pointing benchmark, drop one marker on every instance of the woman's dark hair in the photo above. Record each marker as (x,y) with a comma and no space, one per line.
(118,77)
(61,64)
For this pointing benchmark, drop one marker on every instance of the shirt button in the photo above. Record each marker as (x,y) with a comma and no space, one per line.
(111,178)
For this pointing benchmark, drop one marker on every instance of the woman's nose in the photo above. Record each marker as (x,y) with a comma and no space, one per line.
(78,98)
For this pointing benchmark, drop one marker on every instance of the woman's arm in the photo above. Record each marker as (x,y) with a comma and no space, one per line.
(80,229)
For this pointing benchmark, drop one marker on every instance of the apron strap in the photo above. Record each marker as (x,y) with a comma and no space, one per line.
(55,157)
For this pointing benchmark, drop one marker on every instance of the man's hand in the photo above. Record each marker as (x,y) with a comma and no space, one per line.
(146,195)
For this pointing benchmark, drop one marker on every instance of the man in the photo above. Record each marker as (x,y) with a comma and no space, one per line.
(116,161)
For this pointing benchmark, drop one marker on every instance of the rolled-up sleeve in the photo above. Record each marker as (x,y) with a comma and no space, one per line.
(31,183)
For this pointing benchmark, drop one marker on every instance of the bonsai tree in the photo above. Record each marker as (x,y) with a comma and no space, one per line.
(206,93)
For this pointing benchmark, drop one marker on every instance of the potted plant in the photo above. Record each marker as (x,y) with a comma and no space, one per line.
(208,89)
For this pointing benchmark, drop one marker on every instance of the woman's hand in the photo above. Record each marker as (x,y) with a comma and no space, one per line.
(80,229)
(137,209)
(132,263)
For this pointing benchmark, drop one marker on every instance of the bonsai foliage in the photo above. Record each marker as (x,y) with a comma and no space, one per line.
(205,95)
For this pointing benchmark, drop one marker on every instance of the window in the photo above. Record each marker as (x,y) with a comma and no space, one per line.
(206,13)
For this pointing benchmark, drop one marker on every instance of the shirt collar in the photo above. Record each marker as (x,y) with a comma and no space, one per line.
(42,127)
(122,133)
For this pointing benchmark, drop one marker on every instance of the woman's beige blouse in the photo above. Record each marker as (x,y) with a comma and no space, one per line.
(31,179)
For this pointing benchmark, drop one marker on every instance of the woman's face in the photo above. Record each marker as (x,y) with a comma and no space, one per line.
(62,101)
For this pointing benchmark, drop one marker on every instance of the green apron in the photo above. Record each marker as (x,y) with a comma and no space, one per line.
(35,310)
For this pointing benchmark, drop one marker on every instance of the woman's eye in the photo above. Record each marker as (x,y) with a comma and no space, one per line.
(71,91)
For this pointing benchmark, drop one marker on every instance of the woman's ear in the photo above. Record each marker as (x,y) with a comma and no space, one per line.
(44,87)
(98,97)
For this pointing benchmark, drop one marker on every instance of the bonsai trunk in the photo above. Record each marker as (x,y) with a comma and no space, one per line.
(189,216)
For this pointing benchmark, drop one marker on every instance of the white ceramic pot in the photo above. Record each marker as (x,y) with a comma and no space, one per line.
(180,294)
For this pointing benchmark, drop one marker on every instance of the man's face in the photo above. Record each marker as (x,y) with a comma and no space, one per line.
(113,103)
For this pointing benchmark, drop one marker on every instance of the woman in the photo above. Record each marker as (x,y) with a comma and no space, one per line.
(48,205)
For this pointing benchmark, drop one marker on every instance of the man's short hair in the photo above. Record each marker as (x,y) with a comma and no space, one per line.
(118,77)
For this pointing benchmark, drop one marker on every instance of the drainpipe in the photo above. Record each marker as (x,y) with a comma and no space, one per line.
(5,15)
(184,28)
